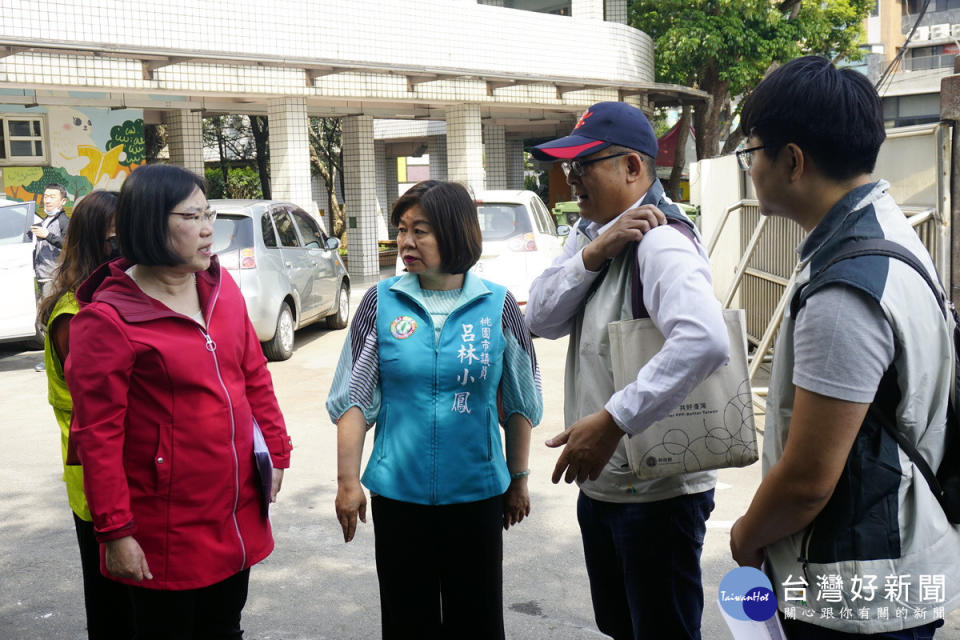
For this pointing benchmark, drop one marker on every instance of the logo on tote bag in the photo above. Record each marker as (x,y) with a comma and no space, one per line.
(403,327)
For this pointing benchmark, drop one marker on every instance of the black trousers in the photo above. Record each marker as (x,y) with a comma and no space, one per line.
(440,569)
(109,613)
(209,613)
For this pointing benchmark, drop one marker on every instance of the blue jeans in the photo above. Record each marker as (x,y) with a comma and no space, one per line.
(643,561)
(797,630)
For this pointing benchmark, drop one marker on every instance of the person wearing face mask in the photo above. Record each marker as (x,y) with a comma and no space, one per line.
(175,418)
(91,242)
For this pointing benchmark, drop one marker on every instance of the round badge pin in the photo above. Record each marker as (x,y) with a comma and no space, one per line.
(746,594)
(403,327)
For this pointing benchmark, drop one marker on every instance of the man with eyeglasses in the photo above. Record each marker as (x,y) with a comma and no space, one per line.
(641,539)
(863,348)
(48,236)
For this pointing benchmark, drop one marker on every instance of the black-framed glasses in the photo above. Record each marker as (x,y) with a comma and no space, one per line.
(208,215)
(745,156)
(577,167)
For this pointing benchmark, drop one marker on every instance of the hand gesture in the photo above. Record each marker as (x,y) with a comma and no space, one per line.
(744,556)
(351,503)
(125,559)
(516,502)
(630,227)
(39,231)
(590,443)
(277,481)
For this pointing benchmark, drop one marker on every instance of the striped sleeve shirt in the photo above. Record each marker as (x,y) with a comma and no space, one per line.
(356,382)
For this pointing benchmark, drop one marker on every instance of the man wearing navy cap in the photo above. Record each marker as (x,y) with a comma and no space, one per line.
(641,539)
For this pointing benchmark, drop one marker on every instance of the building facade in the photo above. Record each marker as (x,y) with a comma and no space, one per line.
(492,74)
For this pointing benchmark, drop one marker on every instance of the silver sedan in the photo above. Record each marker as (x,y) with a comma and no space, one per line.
(288,269)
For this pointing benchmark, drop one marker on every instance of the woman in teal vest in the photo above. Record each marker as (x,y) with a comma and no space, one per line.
(90,242)
(438,359)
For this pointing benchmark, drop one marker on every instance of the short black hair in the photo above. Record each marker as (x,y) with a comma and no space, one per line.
(59,187)
(833,115)
(146,199)
(452,213)
(649,162)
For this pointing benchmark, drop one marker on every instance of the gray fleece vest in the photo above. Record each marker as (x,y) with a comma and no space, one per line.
(588,381)
(882,524)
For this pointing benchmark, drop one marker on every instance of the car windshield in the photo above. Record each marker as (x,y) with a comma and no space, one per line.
(13,225)
(500,221)
(231,232)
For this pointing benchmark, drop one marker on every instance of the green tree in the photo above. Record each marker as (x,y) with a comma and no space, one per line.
(326,161)
(76,186)
(725,47)
(130,134)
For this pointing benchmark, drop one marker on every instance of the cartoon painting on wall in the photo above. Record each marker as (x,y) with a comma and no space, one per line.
(89,149)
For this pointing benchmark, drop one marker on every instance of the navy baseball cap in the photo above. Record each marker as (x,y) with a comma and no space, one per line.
(600,126)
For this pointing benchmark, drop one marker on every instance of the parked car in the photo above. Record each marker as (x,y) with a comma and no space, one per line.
(520,240)
(18,313)
(288,269)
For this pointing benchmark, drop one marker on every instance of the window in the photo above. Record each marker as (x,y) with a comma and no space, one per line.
(285,229)
(912,7)
(269,237)
(21,139)
(545,220)
(309,230)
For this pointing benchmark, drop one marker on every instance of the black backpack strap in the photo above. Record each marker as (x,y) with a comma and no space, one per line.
(883,247)
(872,247)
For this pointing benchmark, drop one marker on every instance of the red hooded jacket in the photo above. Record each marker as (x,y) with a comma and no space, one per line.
(163,414)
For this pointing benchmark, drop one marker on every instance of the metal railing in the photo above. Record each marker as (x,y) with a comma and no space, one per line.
(767,268)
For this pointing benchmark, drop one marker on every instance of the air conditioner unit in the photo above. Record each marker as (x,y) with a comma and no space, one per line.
(938,31)
(922,33)
(955,31)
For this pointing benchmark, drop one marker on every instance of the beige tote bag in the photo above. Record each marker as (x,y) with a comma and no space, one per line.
(712,428)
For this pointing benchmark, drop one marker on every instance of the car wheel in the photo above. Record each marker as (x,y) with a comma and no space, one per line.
(281,346)
(339,319)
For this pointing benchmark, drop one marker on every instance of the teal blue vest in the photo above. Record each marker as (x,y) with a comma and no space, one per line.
(437,437)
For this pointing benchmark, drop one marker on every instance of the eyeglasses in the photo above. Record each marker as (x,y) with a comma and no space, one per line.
(208,215)
(578,167)
(745,156)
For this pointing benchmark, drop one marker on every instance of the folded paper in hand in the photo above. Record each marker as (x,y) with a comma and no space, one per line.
(261,457)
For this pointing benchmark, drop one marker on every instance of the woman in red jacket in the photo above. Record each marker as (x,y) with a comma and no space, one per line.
(169,385)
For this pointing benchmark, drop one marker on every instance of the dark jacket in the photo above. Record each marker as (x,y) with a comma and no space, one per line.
(46,252)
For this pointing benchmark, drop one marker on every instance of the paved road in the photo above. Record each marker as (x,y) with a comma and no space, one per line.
(313,586)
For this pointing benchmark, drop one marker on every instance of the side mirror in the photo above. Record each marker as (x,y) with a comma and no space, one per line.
(563,230)
(333,243)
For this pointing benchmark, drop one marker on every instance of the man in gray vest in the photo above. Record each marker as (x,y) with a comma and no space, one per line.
(849,530)
(641,539)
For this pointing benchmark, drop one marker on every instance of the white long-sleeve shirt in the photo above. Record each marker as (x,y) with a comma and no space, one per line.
(678,294)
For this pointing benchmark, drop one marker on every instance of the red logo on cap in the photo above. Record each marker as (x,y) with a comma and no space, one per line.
(583,119)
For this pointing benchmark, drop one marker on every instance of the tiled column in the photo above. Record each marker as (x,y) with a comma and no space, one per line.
(616,11)
(360,177)
(390,179)
(591,9)
(437,148)
(379,161)
(494,154)
(465,145)
(514,161)
(290,151)
(185,139)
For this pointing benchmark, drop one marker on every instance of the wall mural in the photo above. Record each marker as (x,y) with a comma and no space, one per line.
(89,149)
